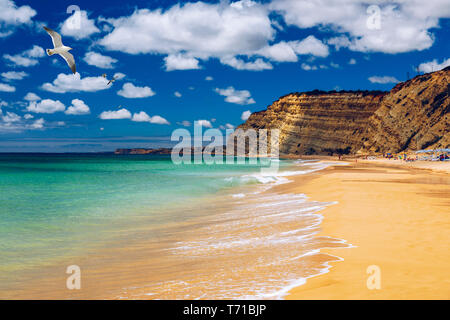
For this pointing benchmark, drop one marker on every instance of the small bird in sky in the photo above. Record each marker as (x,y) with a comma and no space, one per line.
(61,49)
(109,81)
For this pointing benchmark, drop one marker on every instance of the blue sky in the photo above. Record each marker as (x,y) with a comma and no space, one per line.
(179,62)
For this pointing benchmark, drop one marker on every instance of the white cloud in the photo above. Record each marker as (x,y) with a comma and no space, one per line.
(204,123)
(245,115)
(131,91)
(112,115)
(180,62)
(209,78)
(308,67)
(434,65)
(11,117)
(177,94)
(78,107)
(30,96)
(28,116)
(27,58)
(73,83)
(404,24)
(79,26)
(281,52)
(352,61)
(144,117)
(310,46)
(14,75)
(229,126)
(46,106)
(119,75)
(38,124)
(99,60)
(239,64)
(7,88)
(236,96)
(383,79)
(193,31)
(12,16)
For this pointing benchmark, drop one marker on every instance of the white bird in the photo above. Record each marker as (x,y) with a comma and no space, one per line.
(109,81)
(60,49)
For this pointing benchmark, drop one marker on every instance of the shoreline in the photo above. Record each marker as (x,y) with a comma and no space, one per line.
(395,216)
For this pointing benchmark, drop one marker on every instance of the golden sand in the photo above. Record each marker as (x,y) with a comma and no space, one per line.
(398,218)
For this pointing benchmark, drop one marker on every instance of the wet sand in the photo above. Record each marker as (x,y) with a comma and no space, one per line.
(398,219)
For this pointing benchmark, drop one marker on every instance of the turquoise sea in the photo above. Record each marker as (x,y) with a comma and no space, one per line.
(57,206)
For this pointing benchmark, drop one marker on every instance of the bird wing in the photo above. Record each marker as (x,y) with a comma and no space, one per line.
(70,60)
(56,38)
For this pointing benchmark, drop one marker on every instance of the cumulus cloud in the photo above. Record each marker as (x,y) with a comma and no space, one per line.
(74,83)
(30,96)
(113,115)
(14,75)
(204,123)
(209,78)
(383,79)
(352,61)
(7,88)
(28,116)
(404,25)
(245,115)
(46,106)
(12,16)
(310,46)
(11,117)
(434,65)
(99,60)
(177,94)
(239,64)
(236,96)
(37,124)
(144,117)
(129,90)
(79,26)
(180,62)
(27,58)
(192,31)
(78,107)
(308,67)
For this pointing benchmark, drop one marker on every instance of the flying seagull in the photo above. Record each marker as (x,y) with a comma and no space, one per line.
(109,81)
(60,49)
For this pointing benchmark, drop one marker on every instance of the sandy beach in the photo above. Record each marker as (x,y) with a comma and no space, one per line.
(396,215)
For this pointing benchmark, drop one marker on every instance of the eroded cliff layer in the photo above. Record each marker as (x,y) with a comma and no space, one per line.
(413,115)
(318,122)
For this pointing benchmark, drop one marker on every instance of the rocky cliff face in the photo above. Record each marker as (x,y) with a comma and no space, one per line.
(413,115)
(318,122)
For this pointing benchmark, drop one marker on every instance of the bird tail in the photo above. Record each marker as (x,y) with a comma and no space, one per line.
(50,52)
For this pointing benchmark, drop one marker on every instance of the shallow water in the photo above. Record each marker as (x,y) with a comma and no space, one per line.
(143,228)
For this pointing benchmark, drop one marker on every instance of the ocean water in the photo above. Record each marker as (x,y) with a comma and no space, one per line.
(57,208)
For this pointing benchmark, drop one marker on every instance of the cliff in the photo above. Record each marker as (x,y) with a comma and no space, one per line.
(318,122)
(413,115)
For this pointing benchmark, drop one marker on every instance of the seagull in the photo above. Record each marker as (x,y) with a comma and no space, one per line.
(60,49)
(109,81)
